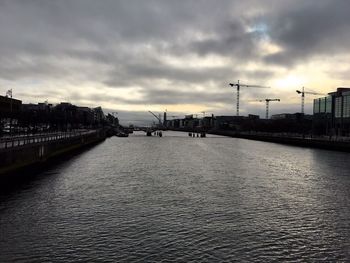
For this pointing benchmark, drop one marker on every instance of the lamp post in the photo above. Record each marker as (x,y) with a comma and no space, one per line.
(9,93)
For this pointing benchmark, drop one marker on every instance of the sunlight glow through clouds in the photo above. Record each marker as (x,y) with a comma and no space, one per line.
(290,81)
(139,56)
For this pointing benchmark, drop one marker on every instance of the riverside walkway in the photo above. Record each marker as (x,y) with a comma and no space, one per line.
(20,140)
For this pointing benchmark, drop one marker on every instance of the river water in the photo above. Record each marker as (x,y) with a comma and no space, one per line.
(182,199)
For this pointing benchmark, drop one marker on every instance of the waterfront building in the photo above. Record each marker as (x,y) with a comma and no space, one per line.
(85,116)
(182,123)
(16,117)
(228,122)
(36,116)
(323,109)
(332,113)
(9,106)
(173,124)
(9,113)
(290,116)
(253,117)
(207,122)
(99,116)
(41,106)
(192,123)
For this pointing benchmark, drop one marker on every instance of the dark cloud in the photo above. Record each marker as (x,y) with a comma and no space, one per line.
(309,29)
(23,67)
(171,97)
(115,32)
(342,74)
(130,44)
(142,73)
(230,39)
(157,96)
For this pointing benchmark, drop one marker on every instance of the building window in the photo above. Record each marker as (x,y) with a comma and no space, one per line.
(322,105)
(316,106)
(346,106)
(338,107)
(329,104)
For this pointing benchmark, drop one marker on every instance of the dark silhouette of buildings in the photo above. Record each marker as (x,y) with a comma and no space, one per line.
(16,117)
(281,123)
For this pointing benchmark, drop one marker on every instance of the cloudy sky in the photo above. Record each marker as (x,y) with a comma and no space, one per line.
(140,55)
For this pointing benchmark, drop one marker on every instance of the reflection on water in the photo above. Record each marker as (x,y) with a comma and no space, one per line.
(182,199)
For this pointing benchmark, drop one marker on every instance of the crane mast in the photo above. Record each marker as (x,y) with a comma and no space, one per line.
(302,100)
(303,92)
(267,101)
(238,85)
(237,104)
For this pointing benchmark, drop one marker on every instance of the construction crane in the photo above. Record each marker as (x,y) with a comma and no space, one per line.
(238,86)
(303,92)
(158,118)
(267,101)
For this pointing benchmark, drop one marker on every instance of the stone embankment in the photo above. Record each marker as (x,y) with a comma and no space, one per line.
(21,151)
(334,143)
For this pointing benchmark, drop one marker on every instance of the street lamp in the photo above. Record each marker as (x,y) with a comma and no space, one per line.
(9,93)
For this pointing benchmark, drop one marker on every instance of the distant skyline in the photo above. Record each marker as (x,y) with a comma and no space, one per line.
(135,56)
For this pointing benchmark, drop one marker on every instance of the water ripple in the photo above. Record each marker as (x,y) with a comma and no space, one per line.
(181,199)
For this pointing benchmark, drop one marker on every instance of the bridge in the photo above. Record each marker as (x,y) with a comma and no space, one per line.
(148,130)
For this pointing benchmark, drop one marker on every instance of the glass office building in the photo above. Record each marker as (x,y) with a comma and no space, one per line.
(332,113)
(323,105)
(346,105)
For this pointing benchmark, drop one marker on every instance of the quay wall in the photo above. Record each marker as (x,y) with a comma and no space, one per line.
(297,141)
(15,158)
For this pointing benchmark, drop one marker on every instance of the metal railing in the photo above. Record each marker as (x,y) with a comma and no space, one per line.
(20,140)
